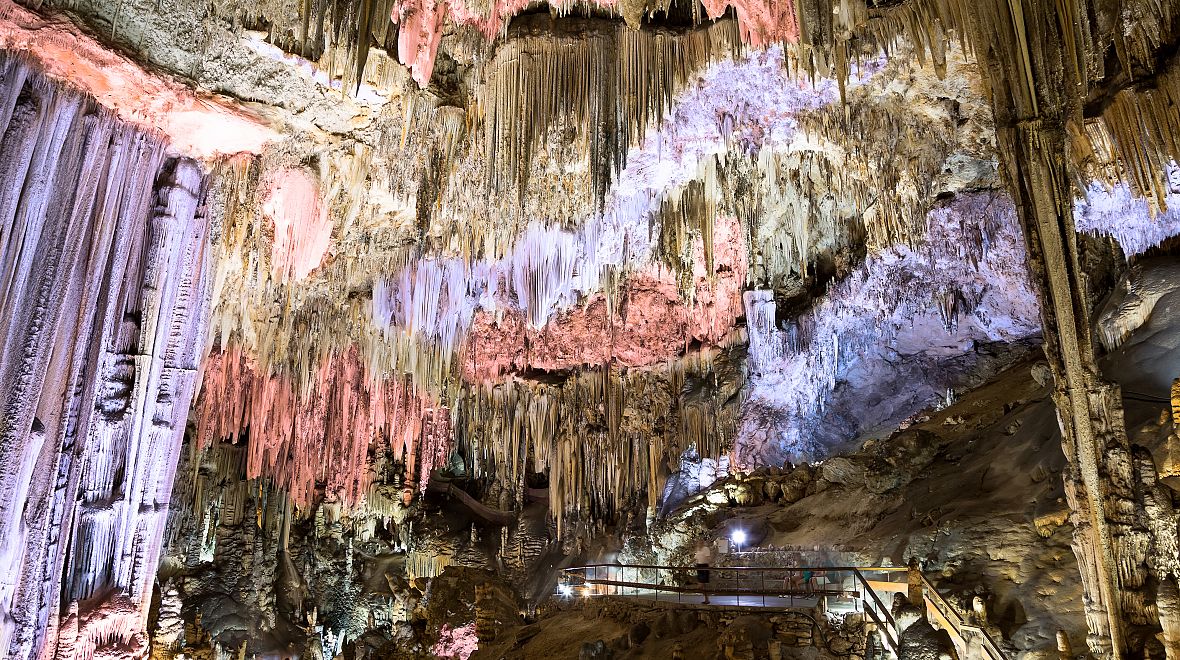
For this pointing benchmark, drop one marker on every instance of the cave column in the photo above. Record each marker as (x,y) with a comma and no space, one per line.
(1030,54)
(1089,409)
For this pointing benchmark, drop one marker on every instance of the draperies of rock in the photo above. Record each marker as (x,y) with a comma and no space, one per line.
(197,126)
(606,438)
(964,282)
(602,80)
(104,267)
(319,434)
(331,30)
(294,204)
(644,323)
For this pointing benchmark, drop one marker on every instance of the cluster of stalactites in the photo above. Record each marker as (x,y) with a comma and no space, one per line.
(320,434)
(1130,133)
(341,36)
(606,439)
(1136,138)
(608,85)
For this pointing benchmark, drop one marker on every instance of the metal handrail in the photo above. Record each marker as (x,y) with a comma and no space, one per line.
(867,569)
(881,615)
(952,616)
(585,575)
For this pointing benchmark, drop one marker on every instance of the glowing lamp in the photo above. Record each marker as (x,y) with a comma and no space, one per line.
(565,590)
(738,537)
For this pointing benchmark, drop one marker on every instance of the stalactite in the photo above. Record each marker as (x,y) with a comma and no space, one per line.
(104,263)
(195,125)
(301,436)
(605,438)
(967,246)
(607,78)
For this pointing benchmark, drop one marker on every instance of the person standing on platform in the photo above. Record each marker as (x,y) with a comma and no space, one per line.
(703,557)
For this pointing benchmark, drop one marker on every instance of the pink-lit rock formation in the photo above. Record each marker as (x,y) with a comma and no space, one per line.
(108,628)
(104,264)
(302,438)
(647,323)
(294,204)
(195,125)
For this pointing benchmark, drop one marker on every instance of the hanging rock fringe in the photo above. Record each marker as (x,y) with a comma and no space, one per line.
(320,436)
(611,80)
(605,438)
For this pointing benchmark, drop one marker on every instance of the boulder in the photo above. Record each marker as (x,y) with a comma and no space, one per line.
(843,470)
(749,493)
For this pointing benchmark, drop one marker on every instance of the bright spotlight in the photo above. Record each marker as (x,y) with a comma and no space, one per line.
(565,590)
(738,537)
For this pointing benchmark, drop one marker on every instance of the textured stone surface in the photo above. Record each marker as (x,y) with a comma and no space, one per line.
(105,267)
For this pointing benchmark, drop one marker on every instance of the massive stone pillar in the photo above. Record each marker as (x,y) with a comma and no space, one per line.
(1034,56)
(103,300)
(1089,408)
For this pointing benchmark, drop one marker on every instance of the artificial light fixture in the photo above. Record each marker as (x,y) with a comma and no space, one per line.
(565,590)
(739,538)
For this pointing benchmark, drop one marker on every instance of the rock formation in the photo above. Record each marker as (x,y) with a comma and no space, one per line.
(336,328)
(106,272)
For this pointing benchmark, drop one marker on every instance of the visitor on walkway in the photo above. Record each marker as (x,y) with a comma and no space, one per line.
(794,581)
(703,557)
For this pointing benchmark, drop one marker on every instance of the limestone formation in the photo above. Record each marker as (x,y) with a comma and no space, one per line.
(341,328)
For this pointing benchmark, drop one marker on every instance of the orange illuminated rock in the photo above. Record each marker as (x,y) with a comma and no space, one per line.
(195,125)
(304,437)
(651,323)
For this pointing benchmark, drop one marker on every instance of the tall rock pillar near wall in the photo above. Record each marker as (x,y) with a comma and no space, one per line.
(103,269)
(1033,56)
(1089,409)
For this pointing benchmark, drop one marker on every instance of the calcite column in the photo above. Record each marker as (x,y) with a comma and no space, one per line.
(1030,54)
(102,268)
(1089,409)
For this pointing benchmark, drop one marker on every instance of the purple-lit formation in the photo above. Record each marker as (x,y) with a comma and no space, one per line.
(106,280)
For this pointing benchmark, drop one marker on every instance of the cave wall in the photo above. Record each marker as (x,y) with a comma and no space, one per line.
(377,303)
(105,273)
